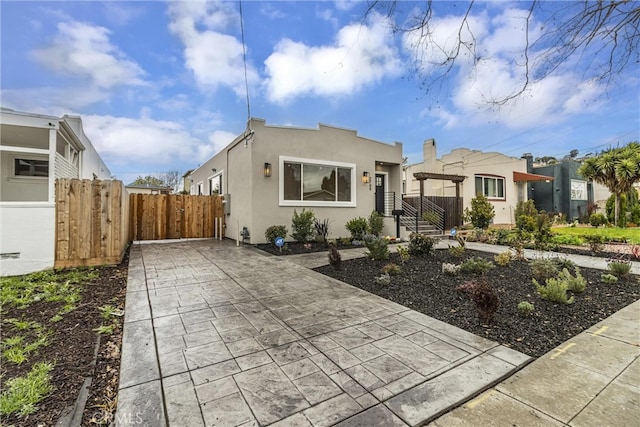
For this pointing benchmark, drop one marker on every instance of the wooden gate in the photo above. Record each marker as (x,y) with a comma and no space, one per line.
(175,216)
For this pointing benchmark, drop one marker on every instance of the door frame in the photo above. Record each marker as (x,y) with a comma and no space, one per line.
(385,189)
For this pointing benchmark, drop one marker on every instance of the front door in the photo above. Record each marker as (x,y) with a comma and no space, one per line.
(380,193)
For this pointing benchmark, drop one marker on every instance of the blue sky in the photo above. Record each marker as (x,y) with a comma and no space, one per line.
(161,85)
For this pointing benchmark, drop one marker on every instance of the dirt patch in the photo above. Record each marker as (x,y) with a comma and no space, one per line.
(422,286)
(72,348)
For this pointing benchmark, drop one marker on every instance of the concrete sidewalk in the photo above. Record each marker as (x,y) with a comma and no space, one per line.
(222,335)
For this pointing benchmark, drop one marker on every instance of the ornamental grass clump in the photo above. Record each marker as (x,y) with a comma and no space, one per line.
(403,253)
(476,265)
(335,259)
(619,267)
(503,258)
(609,279)
(391,269)
(457,251)
(543,268)
(525,307)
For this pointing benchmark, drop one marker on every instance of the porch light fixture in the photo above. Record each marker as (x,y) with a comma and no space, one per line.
(267,170)
(366,178)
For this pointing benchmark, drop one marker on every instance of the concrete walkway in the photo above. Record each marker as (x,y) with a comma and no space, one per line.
(222,335)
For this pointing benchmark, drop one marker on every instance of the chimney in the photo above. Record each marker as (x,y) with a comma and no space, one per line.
(429,155)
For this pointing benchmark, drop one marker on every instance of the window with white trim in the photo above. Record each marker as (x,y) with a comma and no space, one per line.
(305,182)
(215,185)
(491,186)
(31,167)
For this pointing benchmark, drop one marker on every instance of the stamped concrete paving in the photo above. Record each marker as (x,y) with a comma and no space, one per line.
(223,335)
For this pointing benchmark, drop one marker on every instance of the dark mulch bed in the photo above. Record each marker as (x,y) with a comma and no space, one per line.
(296,248)
(72,347)
(423,287)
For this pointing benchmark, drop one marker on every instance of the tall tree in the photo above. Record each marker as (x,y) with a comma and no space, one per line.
(554,34)
(616,168)
(169,178)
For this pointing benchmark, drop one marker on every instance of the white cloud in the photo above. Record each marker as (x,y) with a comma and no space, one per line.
(149,144)
(361,55)
(52,100)
(499,73)
(215,58)
(220,139)
(85,51)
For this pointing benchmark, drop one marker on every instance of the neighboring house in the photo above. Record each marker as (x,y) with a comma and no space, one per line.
(568,193)
(148,189)
(34,151)
(269,171)
(186,182)
(502,179)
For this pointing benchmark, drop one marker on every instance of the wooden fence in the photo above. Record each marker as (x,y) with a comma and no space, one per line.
(175,216)
(92,222)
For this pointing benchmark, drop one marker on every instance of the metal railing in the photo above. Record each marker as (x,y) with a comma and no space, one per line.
(427,215)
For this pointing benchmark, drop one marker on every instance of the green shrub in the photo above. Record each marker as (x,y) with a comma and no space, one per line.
(376,223)
(501,236)
(563,263)
(302,225)
(476,265)
(481,213)
(322,229)
(345,241)
(403,253)
(525,307)
(456,251)
(608,278)
(598,219)
(543,268)
(335,260)
(525,215)
(392,269)
(554,290)
(596,242)
(619,267)
(358,227)
(421,244)
(378,249)
(503,258)
(275,231)
(574,284)
(567,239)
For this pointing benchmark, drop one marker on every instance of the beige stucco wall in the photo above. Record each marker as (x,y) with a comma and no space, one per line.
(470,163)
(255,199)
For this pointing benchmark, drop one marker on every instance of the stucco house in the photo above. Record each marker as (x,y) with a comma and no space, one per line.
(502,179)
(147,189)
(35,150)
(268,171)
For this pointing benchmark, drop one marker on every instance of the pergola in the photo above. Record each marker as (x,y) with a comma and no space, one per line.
(457,179)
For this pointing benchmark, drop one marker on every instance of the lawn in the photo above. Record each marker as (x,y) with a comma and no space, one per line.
(632,235)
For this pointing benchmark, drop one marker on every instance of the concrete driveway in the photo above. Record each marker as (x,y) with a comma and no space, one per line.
(222,335)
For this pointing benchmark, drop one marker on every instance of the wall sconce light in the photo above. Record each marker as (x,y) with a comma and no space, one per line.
(267,170)
(214,170)
(366,178)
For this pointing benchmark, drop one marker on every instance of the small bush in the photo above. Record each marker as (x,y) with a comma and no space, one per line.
(378,249)
(476,265)
(501,236)
(450,269)
(322,229)
(275,231)
(345,241)
(420,244)
(596,242)
(391,269)
(457,251)
(565,263)
(384,279)
(598,219)
(334,257)
(403,253)
(503,258)
(481,213)
(376,223)
(567,239)
(358,227)
(525,307)
(574,284)
(543,268)
(619,267)
(483,296)
(609,279)
(555,290)
(302,225)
